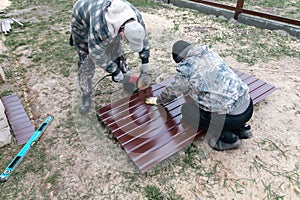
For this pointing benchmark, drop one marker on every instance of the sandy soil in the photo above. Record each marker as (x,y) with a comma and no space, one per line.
(92,166)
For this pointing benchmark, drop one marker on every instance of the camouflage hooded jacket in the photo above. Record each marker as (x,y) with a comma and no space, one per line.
(208,80)
(90,31)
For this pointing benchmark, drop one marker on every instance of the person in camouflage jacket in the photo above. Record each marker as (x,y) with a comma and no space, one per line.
(97,30)
(221,102)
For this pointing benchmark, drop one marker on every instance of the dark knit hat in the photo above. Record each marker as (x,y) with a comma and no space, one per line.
(180,50)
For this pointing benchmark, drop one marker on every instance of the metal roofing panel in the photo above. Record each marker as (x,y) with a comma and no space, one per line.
(17,118)
(150,134)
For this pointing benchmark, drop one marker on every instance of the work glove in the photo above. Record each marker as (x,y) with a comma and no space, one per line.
(117,76)
(145,68)
(151,100)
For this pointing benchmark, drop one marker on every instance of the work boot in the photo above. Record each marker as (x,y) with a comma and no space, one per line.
(85,104)
(244,132)
(227,141)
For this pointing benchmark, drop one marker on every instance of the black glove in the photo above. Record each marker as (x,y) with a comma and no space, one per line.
(121,62)
(144,55)
(117,76)
(71,41)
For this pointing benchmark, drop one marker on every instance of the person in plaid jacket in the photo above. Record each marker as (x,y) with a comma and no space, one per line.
(97,31)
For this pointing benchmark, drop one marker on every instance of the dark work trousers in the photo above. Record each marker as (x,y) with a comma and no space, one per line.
(193,115)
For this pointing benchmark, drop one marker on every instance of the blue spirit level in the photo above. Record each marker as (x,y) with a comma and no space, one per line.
(19,157)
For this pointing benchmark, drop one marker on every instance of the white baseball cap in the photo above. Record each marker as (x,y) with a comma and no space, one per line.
(135,34)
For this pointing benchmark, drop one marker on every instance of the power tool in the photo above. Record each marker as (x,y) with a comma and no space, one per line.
(132,83)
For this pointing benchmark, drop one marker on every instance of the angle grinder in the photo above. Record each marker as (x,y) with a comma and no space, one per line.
(133,83)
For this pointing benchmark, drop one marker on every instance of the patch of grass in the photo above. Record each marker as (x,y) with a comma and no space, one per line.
(3,57)
(190,156)
(44,39)
(233,185)
(274,4)
(13,44)
(247,44)
(269,145)
(297,109)
(152,192)
(292,176)
(260,49)
(38,158)
(53,178)
(272,193)
(172,195)
(143,5)
(282,7)
(34,162)
(6,93)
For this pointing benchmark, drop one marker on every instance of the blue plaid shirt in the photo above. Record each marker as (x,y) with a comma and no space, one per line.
(90,32)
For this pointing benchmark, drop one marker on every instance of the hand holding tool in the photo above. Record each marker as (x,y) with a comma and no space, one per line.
(144,68)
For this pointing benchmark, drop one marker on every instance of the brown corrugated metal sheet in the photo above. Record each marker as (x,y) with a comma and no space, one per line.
(150,134)
(17,118)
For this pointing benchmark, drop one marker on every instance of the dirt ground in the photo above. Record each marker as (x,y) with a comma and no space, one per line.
(90,165)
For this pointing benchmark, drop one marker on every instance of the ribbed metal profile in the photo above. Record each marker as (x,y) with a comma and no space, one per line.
(18,119)
(150,134)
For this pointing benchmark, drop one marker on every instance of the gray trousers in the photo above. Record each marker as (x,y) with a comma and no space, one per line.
(86,67)
(86,72)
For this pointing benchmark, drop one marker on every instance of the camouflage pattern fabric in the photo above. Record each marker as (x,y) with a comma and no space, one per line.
(209,80)
(86,71)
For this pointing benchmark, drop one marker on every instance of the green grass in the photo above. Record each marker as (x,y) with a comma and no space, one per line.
(274,4)
(6,93)
(292,176)
(271,192)
(143,5)
(280,8)
(253,45)
(247,44)
(153,193)
(54,178)
(269,145)
(33,163)
(190,158)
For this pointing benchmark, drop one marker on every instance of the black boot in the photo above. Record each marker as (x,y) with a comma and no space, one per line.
(244,132)
(85,104)
(227,141)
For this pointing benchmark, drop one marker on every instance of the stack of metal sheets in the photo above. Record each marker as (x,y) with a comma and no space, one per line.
(5,25)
